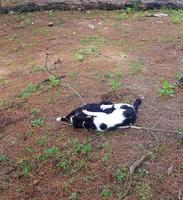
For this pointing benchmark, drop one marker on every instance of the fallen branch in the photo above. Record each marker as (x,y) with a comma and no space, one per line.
(143,157)
(152,129)
(59,78)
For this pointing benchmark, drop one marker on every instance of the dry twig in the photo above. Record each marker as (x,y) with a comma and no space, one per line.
(59,78)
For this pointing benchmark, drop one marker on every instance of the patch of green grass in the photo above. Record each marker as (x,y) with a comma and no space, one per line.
(3,102)
(144,191)
(63,164)
(24,167)
(121,174)
(135,67)
(29,90)
(105,157)
(82,148)
(29,149)
(175,15)
(54,81)
(73,196)
(167,89)
(43,141)
(115,80)
(48,153)
(37,122)
(83,52)
(35,68)
(35,112)
(106,193)
(2,158)
(3,81)
(13,37)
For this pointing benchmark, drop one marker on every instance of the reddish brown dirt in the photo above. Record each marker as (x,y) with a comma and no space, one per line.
(155,43)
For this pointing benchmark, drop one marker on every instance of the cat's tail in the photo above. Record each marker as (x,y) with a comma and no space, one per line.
(136,104)
(63,119)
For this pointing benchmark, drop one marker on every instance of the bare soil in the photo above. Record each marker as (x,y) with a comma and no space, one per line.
(142,51)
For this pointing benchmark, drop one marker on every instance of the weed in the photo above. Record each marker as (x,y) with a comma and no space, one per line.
(3,102)
(43,141)
(54,81)
(144,191)
(37,122)
(35,112)
(89,178)
(24,167)
(115,81)
(29,90)
(121,174)
(73,196)
(106,193)
(176,19)
(82,148)
(83,52)
(3,81)
(29,149)
(35,68)
(2,158)
(49,152)
(135,67)
(167,89)
(105,158)
(63,164)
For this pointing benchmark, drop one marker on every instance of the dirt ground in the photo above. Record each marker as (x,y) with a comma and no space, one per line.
(114,55)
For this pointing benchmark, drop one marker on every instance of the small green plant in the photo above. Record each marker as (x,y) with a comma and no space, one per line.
(29,90)
(83,52)
(144,191)
(120,174)
(37,122)
(49,152)
(3,81)
(176,19)
(106,193)
(24,167)
(82,148)
(43,141)
(135,67)
(115,80)
(105,157)
(73,196)
(29,149)
(63,164)
(35,112)
(167,89)
(2,158)
(35,68)
(54,81)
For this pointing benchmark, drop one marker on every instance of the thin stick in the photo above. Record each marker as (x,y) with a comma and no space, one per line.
(151,129)
(67,84)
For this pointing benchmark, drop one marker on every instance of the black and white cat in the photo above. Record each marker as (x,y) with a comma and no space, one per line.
(102,116)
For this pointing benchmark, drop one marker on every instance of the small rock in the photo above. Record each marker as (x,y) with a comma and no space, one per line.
(170,169)
(74,33)
(35,182)
(91,26)
(50,24)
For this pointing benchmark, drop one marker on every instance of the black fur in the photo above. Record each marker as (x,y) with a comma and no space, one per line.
(79,119)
